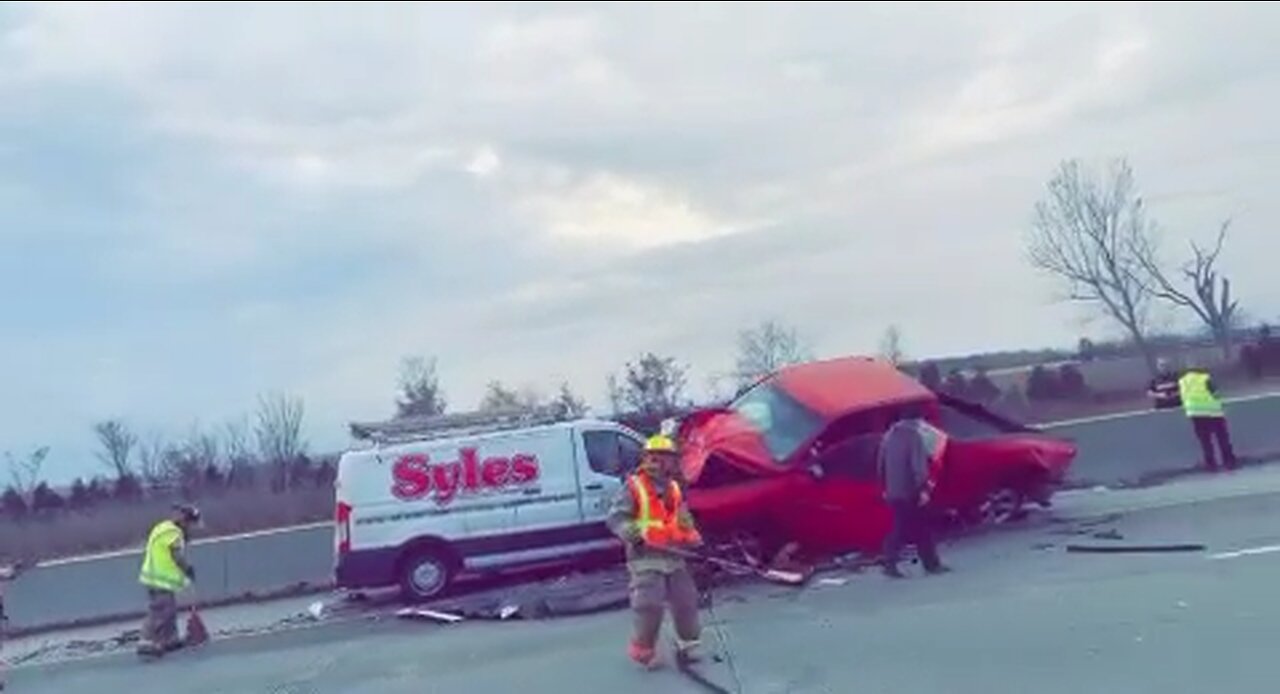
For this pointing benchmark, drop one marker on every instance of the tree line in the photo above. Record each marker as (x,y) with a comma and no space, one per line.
(266,450)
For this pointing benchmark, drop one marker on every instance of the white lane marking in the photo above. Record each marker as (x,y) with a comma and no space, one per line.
(1140,413)
(207,541)
(1252,551)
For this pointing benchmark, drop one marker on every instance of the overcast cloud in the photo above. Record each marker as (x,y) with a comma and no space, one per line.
(202,202)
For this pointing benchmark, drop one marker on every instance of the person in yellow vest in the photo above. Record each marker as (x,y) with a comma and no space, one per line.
(1200,402)
(165,572)
(649,515)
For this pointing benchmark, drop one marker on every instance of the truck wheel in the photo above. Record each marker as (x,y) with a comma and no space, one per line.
(426,572)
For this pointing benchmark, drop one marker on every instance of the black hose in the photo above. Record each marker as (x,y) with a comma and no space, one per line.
(1133,549)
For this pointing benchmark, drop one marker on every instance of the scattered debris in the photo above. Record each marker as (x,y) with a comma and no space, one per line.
(1112,534)
(430,615)
(316,610)
(1133,549)
(832,581)
(507,611)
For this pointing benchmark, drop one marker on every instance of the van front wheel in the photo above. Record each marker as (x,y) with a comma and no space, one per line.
(425,573)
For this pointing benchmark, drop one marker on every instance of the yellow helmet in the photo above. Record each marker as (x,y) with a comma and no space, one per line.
(660,444)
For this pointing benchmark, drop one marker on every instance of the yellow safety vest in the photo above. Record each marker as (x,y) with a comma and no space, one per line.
(159,570)
(1197,399)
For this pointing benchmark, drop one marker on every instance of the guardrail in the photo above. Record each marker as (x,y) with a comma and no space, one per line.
(1113,449)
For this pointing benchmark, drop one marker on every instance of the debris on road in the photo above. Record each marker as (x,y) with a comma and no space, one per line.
(430,615)
(1112,534)
(1133,549)
(832,581)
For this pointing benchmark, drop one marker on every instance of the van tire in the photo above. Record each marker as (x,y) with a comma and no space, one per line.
(426,572)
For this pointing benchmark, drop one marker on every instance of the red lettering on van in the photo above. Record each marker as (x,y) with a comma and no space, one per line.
(414,476)
(495,472)
(524,468)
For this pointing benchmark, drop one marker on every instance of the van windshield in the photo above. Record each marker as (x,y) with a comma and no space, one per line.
(781,420)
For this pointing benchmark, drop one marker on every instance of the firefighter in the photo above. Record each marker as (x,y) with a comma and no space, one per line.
(1201,404)
(165,572)
(649,514)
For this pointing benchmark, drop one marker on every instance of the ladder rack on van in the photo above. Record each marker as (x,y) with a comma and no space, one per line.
(462,424)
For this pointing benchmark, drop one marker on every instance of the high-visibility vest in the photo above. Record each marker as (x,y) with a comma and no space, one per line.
(159,570)
(659,523)
(1197,399)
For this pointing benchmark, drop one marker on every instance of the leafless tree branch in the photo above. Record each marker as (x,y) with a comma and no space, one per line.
(1084,233)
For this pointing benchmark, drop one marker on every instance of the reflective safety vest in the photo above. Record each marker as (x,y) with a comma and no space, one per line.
(659,523)
(159,570)
(1197,399)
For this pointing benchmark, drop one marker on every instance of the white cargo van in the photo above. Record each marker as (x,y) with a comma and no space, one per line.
(426,500)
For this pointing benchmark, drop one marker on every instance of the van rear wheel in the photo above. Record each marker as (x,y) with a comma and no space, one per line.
(426,573)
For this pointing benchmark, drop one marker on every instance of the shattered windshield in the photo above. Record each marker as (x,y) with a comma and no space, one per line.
(782,421)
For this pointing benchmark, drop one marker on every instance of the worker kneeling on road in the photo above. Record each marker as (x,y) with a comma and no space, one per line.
(650,516)
(165,572)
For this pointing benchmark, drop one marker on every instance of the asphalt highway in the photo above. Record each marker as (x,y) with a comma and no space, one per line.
(1019,613)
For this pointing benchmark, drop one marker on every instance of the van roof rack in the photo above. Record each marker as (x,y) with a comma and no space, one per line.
(424,428)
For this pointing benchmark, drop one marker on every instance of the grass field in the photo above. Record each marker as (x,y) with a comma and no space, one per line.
(118,525)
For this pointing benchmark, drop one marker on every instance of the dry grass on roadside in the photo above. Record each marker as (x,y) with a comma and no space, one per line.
(119,526)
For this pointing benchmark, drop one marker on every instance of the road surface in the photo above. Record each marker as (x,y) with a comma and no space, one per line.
(1019,614)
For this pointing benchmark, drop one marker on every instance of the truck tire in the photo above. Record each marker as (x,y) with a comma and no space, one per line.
(426,572)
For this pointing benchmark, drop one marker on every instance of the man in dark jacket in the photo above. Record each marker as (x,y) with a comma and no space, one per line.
(904,465)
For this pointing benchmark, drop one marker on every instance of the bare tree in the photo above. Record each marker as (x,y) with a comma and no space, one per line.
(569,402)
(26,472)
(278,432)
(236,449)
(117,443)
(498,398)
(154,456)
(766,348)
(891,347)
(650,386)
(1207,292)
(1084,233)
(420,392)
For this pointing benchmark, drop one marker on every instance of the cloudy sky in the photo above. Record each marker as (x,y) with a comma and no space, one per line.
(202,202)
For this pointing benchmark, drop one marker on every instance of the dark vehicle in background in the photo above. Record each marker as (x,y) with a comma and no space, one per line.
(794,458)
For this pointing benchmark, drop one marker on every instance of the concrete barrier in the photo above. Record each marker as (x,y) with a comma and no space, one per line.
(1127,448)
(1113,449)
(106,586)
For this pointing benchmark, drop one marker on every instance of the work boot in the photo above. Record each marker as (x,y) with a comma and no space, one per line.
(644,656)
(149,649)
(688,652)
